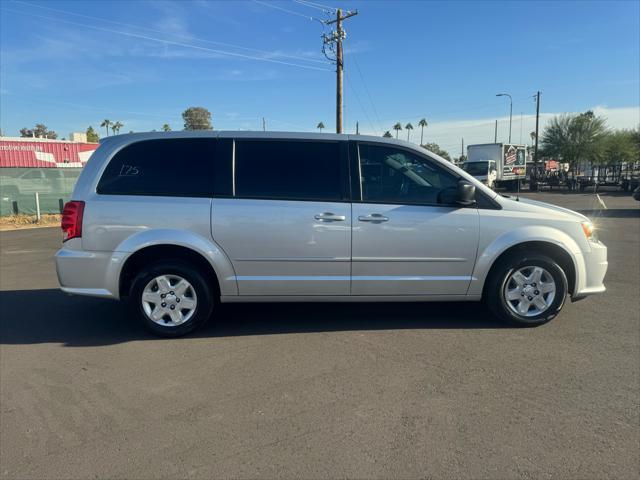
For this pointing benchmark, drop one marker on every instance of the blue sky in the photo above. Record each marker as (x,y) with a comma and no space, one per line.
(71,64)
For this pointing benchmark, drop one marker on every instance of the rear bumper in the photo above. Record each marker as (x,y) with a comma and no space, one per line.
(596,265)
(93,274)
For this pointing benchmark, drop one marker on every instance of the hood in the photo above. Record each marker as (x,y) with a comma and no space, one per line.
(534,206)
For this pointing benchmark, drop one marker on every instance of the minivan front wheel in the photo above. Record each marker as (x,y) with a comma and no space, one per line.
(171,298)
(527,291)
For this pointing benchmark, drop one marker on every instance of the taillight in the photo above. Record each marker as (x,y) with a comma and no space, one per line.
(72,220)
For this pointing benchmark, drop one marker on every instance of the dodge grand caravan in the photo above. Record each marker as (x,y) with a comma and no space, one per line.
(177,222)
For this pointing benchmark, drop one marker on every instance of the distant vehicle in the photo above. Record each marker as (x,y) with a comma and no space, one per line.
(483,170)
(497,164)
(636,194)
(625,175)
(177,222)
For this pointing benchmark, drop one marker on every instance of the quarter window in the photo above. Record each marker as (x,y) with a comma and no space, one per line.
(289,170)
(392,175)
(166,167)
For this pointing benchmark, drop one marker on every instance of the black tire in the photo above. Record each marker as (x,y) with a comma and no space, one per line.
(203,290)
(496,285)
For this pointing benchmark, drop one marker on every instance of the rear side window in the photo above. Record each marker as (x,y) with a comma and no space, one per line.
(289,170)
(168,167)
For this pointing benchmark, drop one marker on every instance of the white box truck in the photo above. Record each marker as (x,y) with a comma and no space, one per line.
(497,164)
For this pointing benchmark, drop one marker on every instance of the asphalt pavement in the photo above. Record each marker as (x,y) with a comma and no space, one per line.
(321,390)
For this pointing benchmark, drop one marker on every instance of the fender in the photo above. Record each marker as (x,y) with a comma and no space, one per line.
(488,254)
(182,238)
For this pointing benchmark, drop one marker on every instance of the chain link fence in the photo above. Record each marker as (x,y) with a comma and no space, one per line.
(18,187)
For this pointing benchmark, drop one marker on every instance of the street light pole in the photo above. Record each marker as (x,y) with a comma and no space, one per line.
(510,110)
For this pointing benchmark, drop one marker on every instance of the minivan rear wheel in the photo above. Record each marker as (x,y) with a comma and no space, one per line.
(526,291)
(171,298)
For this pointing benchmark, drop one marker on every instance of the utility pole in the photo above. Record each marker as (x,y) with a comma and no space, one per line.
(336,37)
(462,151)
(264,125)
(535,150)
(357,128)
(495,133)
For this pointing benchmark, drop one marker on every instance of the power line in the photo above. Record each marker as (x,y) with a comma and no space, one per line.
(318,6)
(187,37)
(292,12)
(170,42)
(517,101)
(366,89)
(361,106)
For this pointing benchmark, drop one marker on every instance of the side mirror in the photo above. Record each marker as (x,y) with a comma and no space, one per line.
(464,194)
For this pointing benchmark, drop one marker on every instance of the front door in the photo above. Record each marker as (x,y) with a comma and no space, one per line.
(404,241)
(287,227)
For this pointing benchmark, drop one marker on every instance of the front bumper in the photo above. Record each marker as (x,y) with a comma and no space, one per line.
(596,264)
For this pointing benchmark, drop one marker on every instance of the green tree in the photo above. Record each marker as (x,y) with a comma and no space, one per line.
(408,127)
(166,127)
(106,123)
(619,146)
(197,118)
(435,148)
(574,138)
(92,135)
(115,127)
(387,134)
(397,127)
(320,126)
(422,123)
(39,131)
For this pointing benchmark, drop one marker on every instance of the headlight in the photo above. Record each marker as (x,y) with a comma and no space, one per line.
(589,231)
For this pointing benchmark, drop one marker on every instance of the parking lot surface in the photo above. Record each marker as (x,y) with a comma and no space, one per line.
(321,391)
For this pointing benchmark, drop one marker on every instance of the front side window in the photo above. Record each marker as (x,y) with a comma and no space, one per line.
(288,170)
(167,167)
(392,175)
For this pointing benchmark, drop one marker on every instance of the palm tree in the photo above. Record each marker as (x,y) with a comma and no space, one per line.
(397,127)
(320,126)
(408,127)
(422,123)
(115,127)
(166,127)
(106,123)
(387,134)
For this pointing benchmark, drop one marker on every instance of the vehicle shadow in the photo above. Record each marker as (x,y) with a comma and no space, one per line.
(50,316)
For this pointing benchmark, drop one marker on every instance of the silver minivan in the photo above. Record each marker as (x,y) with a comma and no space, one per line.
(177,222)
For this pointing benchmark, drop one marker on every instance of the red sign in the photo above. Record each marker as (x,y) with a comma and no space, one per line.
(40,153)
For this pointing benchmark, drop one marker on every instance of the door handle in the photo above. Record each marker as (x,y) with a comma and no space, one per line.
(330,217)
(374,218)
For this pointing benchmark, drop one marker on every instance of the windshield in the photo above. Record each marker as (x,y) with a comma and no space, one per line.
(476,168)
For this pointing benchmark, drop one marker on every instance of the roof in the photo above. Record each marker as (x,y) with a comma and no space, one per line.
(130,137)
